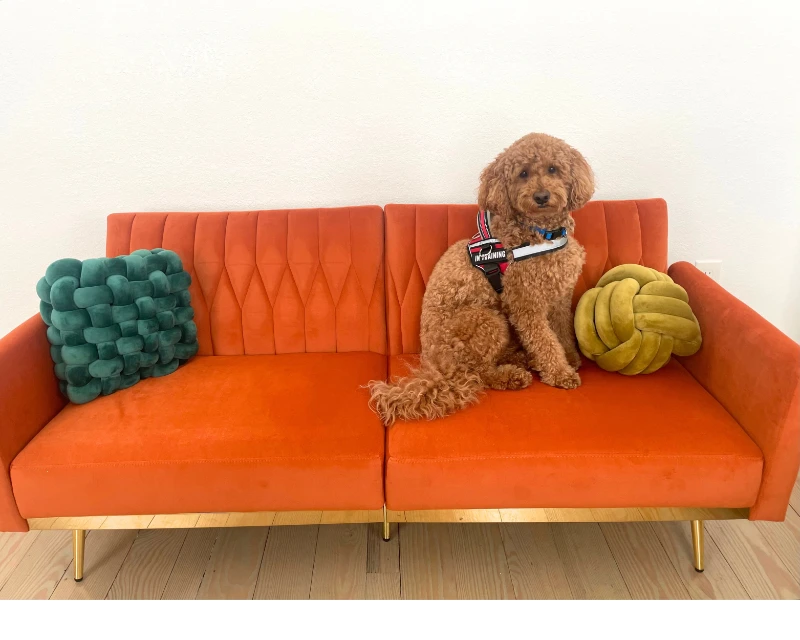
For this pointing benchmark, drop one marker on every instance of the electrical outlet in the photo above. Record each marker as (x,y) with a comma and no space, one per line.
(712,268)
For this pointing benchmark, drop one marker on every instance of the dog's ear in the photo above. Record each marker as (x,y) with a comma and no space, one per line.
(492,193)
(581,187)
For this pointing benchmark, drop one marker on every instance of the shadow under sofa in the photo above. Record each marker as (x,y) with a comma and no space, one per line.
(297,310)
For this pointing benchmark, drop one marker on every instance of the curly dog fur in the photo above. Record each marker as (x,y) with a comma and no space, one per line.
(472,338)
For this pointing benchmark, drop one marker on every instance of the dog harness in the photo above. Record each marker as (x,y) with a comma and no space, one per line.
(488,254)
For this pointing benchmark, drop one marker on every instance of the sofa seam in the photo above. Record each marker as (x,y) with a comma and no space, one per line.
(130,233)
(641,233)
(567,455)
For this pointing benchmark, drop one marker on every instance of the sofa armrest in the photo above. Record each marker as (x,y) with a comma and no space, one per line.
(29,398)
(753,370)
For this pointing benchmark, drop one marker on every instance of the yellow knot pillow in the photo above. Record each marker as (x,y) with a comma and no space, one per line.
(634,320)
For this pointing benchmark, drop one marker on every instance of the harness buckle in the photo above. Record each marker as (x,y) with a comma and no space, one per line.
(550,234)
(494,274)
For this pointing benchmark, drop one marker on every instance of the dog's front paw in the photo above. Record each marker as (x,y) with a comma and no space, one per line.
(567,379)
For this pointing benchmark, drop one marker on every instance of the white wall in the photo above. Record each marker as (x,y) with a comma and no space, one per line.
(119,106)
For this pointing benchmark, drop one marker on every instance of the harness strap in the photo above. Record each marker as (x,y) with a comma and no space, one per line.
(488,254)
(557,239)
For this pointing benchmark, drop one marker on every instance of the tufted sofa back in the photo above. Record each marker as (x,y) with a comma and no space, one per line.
(263,282)
(613,232)
(312,280)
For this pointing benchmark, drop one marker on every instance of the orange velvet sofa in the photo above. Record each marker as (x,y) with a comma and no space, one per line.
(297,310)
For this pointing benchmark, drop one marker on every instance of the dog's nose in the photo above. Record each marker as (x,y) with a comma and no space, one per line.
(541,197)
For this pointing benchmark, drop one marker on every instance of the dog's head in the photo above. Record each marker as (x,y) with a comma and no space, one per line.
(534,178)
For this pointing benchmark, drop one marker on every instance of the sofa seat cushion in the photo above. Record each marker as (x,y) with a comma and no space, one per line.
(223,433)
(658,440)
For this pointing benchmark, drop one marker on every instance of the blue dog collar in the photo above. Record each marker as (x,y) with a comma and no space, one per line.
(550,234)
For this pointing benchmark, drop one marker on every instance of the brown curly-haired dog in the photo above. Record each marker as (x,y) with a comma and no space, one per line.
(473,338)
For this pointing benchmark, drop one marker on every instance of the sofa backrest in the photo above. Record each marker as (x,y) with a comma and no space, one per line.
(312,280)
(263,282)
(613,233)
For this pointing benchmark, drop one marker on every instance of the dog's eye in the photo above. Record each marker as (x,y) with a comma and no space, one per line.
(551,169)
(523,174)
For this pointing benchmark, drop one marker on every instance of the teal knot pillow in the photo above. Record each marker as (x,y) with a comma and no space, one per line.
(114,321)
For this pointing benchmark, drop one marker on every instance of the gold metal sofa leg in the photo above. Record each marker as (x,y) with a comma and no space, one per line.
(386,532)
(78,540)
(698,544)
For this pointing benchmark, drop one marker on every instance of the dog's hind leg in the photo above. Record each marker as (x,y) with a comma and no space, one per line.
(506,376)
(484,344)
(460,358)
(514,353)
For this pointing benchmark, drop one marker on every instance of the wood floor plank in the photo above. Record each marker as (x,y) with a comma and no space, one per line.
(340,563)
(523,515)
(717,582)
(174,521)
(211,520)
(233,567)
(692,513)
(297,517)
(288,564)
(256,519)
(784,538)
(427,566)
(533,562)
(383,586)
(351,517)
(794,500)
(190,567)
(383,556)
(105,553)
(480,560)
(41,568)
(617,515)
(454,515)
(83,522)
(642,561)
(658,514)
(146,570)
(127,522)
(589,564)
(569,515)
(13,547)
(759,570)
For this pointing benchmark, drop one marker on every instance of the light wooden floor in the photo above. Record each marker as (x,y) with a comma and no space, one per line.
(203,557)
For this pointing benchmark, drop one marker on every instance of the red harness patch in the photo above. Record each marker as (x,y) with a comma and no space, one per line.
(487,253)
